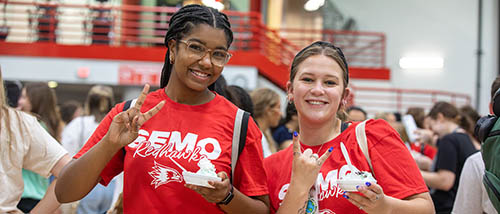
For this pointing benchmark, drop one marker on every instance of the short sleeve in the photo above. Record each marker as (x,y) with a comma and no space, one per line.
(43,150)
(470,185)
(250,177)
(447,155)
(393,165)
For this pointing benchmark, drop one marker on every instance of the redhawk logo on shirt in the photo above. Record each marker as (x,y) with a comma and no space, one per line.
(163,174)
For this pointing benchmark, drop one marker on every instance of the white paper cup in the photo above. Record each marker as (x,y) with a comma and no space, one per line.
(350,185)
(199,180)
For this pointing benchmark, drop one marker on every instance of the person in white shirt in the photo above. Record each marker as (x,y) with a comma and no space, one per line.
(99,102)
(471,195)
(24,143)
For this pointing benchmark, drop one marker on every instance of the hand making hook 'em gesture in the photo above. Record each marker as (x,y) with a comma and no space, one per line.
(306,166)
(125,126)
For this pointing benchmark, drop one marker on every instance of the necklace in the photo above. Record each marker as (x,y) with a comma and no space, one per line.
(336,126)
(314,154)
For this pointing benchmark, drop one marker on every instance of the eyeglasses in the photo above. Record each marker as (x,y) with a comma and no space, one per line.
(198,50)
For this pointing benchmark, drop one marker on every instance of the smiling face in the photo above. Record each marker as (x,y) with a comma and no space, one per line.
(190,72)
(317,88)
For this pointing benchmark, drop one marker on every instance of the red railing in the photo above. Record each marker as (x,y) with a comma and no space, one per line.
(362,49)
(375,99)
(129,25)
(144,26)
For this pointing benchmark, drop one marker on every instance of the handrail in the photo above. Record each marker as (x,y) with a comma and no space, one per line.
(362,49)
(375,99)
(145,26)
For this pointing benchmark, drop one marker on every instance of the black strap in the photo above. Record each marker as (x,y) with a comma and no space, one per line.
(493,133)
(243,133)
(127,105)
(125,108)
(343,127)
(488,182)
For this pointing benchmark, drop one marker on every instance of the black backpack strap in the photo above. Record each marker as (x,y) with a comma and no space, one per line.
(128,103)
(239,138)
(343,126)
(490,184)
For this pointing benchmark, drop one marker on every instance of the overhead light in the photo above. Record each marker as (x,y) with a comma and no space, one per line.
(313,5)
(421,62)
(214,4)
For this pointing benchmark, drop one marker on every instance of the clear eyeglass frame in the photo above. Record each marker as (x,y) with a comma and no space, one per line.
(217,57)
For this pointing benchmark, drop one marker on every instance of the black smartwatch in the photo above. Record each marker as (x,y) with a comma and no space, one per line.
(228,198)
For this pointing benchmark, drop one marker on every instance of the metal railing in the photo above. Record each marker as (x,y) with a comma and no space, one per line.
(375,99)
(362,49)
(144,26)
(128,25)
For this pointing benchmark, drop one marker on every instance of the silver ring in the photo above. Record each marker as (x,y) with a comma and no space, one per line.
(360,207)
(315,156)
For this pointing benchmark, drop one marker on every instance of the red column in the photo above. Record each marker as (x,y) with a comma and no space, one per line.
(255,5)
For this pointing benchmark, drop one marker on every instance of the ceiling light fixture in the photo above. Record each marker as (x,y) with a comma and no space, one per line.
(421,62)
(214,4)
(313,5)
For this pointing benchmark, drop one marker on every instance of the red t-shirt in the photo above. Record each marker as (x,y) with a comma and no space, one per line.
(153,183)
(424,149)
(394,168)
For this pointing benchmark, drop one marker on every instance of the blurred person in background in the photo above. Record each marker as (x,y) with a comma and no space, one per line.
(40,100)
(472,197)
(356,114)
(25,144)
(99,102)
(423,153)
(454,146)
(282,134)
(471,114)
(418,114)
(267,114)
(13,89)
(70,110)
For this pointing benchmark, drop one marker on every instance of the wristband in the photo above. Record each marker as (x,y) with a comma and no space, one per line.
(228,198)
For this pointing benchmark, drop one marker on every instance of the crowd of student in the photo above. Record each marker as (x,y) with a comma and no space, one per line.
(128,156)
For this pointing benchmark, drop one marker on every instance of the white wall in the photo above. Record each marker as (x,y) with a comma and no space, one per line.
(446,28)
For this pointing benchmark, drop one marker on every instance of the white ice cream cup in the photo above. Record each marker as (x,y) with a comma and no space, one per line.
(199,180)
(349,185)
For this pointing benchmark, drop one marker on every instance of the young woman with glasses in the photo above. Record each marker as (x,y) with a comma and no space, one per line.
(170,130)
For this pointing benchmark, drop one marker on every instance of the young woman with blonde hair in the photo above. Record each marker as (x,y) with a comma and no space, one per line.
(267,114)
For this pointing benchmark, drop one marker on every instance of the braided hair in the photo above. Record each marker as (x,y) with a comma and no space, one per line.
(183,21)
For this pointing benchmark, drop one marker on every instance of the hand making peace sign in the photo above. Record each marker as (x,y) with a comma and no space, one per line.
(125,126)
(306,166)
